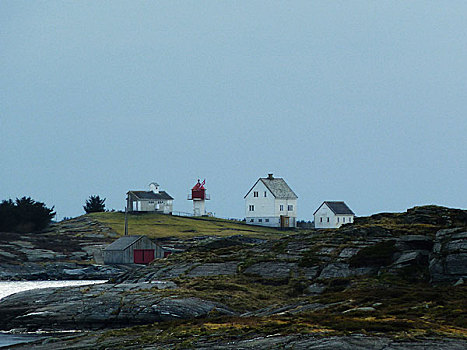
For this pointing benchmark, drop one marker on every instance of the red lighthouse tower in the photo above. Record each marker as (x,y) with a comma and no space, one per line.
(199,196)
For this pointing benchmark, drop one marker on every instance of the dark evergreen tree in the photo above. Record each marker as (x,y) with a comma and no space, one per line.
(24,215)
(8,216)
(94,204)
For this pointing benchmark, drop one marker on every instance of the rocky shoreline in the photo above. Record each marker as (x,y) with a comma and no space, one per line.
(399,276)
(296,342)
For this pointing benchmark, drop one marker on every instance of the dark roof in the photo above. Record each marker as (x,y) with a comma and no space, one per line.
(150,195)
(277,186)
(337,208)
(123,242)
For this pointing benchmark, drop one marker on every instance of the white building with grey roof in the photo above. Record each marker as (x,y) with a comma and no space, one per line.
(152,200)
(271,202)
(333,215)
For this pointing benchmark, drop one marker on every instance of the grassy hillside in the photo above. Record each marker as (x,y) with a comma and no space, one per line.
(159,225)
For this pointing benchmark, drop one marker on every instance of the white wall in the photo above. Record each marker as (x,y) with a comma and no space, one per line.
(285,203)
(335,221)
(264,206)
(267,209)
(164,205)
(199,207)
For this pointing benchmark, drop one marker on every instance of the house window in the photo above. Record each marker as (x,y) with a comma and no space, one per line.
(265,193)
(151,202)
(350,219)
(290,207)
(255,194)
(252,208)
(252,220)
(343,219)
(337,219)
(328,219)
(266,220)
(320,219)
(260,220)
(281,207)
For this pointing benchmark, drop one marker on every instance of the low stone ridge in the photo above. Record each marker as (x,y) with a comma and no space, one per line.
(97,306)
(353,342)
(277,341)
(428,215)
(57,271)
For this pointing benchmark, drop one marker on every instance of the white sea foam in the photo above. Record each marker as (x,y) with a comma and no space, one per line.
(12,287)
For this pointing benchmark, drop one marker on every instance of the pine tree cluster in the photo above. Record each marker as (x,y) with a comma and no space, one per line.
(24,215)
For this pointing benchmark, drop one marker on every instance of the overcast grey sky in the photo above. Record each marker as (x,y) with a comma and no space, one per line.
(362,101)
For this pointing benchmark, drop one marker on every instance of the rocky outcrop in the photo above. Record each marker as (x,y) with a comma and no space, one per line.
(421,215)
(449,256)
(98,306)
(303,266)
(58,271)
(354,342)
(260,342)
(272,269)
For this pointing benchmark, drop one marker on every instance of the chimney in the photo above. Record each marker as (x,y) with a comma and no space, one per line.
(154,187)
(270,177)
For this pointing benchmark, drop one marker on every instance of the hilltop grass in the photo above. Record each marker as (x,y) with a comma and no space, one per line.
(156,225)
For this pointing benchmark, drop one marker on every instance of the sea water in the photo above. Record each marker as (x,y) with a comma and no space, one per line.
(12,287)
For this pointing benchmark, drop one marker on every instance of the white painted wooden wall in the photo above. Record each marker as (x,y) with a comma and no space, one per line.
(267,209)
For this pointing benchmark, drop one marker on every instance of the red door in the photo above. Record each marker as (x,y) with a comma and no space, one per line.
(148,255)
(143,256)
(138,256)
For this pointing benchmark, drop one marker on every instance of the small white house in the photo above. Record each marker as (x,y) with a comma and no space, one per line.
(271,202)
(152,200)
(333,215)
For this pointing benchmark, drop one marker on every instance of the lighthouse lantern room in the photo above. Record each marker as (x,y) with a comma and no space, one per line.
(199,196)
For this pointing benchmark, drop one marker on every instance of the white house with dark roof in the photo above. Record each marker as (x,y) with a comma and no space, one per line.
(333,215)
(271,202)
(152,200)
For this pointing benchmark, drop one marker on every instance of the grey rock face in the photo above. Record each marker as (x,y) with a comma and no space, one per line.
(449,257)
(411,258)
(261,342)
(315,288)
(348,252)
(97,306)
(336,270)
(352,342)
(214,269)
(171,271)
(414,242)
(456,264)
(271,269)
(310,272)
(286,309)
(59,271)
